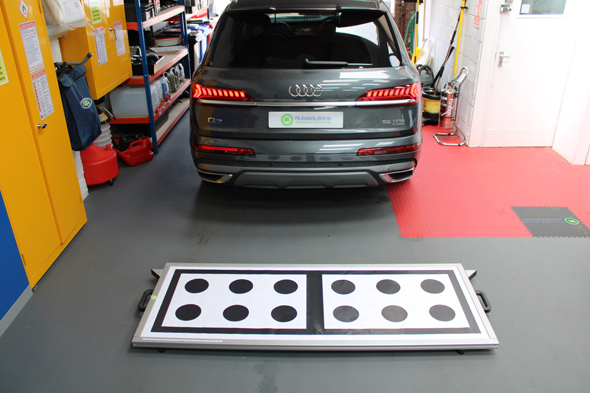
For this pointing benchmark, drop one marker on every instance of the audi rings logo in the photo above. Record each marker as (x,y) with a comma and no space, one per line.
(306,90)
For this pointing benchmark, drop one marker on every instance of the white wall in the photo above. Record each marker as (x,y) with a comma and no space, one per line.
(217,7)
(441,22)
(572,138)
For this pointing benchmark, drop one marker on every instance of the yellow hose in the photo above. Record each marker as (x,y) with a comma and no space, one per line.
(459,38)
(417,49)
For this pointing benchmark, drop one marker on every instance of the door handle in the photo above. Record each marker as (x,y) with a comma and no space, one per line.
(505,8)
(501,57)
(41,126)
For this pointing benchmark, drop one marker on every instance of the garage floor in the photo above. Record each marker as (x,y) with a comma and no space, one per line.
(75,334)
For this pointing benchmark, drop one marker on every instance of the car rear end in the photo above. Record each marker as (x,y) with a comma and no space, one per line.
(304,97)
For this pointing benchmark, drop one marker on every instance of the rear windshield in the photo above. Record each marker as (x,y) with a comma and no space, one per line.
(294,40)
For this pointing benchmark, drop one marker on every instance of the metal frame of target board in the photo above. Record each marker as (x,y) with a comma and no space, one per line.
(315,307)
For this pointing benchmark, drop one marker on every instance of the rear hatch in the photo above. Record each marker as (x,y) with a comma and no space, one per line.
(306,75)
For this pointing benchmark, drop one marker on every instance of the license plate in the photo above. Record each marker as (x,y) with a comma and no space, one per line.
(305,120)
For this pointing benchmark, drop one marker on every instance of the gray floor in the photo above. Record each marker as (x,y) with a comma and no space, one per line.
(75,334)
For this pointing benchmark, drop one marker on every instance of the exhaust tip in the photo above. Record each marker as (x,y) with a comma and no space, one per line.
(395,177)
(218,178)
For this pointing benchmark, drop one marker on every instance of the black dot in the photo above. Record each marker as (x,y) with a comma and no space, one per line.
(389,287)
(343,287)
(346,314)
(241,286)
(394,313)
(285,287)
(196,286)
(188,312)
(235,313)
(442,313)
(432,286)
(284,313)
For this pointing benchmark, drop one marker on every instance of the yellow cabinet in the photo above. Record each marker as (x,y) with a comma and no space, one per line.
(107,40)
(38,177)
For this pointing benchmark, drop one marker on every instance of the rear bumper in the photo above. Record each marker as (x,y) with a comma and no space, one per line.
(282,178)
(277,166)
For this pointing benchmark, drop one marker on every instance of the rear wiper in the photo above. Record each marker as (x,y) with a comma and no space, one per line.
(315,63)
(341,64)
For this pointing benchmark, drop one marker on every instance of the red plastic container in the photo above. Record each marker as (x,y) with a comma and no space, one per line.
(100,164)
(138,152)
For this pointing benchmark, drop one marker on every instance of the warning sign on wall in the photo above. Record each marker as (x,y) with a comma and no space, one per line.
(477,13)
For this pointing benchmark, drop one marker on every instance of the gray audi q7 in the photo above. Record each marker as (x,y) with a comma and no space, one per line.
(306,94)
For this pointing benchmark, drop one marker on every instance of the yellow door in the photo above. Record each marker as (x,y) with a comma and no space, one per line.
(21,176)
(45,125)
(106,38)
(118,42)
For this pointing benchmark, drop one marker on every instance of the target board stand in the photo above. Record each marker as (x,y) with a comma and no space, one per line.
(315,307)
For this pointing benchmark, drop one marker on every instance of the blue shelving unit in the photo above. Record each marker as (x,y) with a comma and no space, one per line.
(140,26)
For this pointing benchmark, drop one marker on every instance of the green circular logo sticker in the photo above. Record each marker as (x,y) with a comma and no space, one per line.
(287,119)
(86,103)
(572,221)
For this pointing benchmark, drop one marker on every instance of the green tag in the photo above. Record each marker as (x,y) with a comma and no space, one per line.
(86,103)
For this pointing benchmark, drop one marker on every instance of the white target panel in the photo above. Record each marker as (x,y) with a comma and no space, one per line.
(228,301)
(317,307)
(392,301)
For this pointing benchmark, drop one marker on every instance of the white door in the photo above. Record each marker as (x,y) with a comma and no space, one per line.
(528,71)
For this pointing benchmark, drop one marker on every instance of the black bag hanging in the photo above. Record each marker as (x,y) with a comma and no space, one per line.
(81,114)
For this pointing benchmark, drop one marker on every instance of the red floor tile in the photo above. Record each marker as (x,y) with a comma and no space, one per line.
(460,192)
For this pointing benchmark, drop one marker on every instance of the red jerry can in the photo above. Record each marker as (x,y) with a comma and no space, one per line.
(100,164)
(138,152)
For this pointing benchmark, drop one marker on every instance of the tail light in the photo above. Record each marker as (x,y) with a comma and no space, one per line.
(219,94)
(237,151)
(410,93)
(378,151)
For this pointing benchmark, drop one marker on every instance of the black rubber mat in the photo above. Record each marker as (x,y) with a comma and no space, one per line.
(551,222)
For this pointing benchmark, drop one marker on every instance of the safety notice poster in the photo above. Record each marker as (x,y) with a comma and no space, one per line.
(28,32)
(101,46)
(42,94)
(3,76)
(95,15)
(119,38)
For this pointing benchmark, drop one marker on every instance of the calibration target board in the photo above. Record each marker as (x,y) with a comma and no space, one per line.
(315,307)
